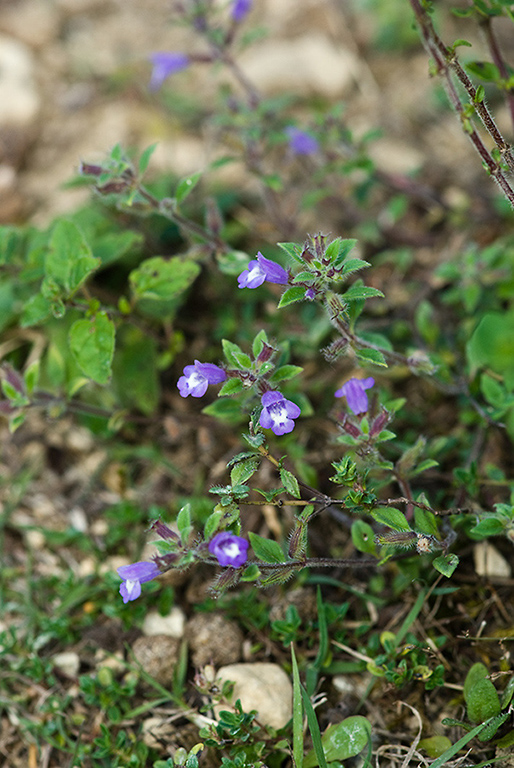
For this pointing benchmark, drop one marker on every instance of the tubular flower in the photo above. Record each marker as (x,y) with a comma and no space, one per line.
(278,413)
(197,378)
(166,63)
(133,576)
(229,549)
(259,270)
(301,142)
(355,392)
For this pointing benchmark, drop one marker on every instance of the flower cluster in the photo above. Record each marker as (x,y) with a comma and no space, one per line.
(228,549)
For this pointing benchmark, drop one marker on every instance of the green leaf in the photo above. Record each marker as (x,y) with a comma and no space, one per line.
(477,672)
(212,523)
(225,409)
(446,564)
(491,728)
(293,250)
(231,387)
(359,291)
(163,279)
(492,390)
(312,722)
(298,750)
(35,310)
(235,355)
(425,522)
(353,265)
(184,524)
(479,95)
(507,694)
(92,346)
(482,701)
(232,262)
(186,186)
(243,471)
(434,746)
(69,260)
(295,293)
(485,70)
(391,517)
(363,537)
(342,740)
(260,339)
(491,526)
(290,483)
(31,376)
(144,159)
(371,356)
(338,250)
(267,550)
(284,373)
(135,374)
(492,345)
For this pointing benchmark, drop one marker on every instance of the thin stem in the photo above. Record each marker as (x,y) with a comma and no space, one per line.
(497,57)
(316,562)
(446,60)
(196,229)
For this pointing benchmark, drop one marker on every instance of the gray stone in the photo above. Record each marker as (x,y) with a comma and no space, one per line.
(157,655)
(213,639)
(261,686)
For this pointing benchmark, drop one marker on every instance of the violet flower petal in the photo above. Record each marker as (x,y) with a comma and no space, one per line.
(166,63)
(133,576)
(277,413)
(354,391)
(301,142)
(229,549)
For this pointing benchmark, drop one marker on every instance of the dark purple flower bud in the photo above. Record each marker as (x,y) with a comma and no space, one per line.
(265,353)
(197,378)
(354,391)
(166,63)
(133,576)
(87,169)
(240,8)
(351,429)
(229,549)
(310,294)
(379,424)
(164,531)
(278,413)
(12,378)
(301,142)
(262,269)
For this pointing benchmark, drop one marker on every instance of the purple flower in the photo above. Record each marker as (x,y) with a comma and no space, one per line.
(229,549)
(240,8)
(133,576)
(197,378)
(301,142)
(166,63)
(354,391)
(278,413)
(262,269)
